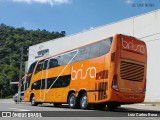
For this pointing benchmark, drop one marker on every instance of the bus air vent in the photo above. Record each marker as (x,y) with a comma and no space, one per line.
(131,71)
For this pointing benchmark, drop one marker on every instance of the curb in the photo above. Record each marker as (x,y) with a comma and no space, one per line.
(148,104)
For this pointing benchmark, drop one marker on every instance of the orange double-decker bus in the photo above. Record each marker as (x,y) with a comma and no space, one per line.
(110,71)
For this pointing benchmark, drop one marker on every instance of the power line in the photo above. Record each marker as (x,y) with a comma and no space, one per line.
(149,35)
(153,40)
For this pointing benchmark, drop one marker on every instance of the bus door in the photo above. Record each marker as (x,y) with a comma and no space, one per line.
(43,87)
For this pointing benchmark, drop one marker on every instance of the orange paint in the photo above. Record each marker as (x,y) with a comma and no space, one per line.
(117,74)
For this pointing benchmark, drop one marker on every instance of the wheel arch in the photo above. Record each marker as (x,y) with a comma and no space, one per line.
(80,93)
(71,91)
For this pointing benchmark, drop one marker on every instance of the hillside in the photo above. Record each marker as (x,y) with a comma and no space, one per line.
(11,41)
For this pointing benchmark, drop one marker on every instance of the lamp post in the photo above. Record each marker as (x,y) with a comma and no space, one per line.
(20,76)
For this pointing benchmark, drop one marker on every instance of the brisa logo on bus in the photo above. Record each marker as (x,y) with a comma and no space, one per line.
(132,46)
(83,74)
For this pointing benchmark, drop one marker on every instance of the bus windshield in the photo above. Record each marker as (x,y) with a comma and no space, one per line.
(31,68)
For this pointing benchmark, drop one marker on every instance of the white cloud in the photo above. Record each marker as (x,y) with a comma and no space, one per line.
(129,1)
(51,2)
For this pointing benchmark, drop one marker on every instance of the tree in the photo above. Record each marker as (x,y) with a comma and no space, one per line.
(11,40)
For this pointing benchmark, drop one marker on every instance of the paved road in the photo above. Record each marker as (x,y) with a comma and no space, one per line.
(64,112)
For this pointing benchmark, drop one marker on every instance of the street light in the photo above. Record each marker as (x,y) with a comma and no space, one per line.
(20,76)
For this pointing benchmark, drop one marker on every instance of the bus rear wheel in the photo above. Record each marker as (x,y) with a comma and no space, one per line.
(84,102)
(33,102)
(72,101)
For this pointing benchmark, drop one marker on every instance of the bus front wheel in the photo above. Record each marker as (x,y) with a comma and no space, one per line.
(33,102)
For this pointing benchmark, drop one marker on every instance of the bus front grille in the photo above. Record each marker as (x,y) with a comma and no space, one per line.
(131,71)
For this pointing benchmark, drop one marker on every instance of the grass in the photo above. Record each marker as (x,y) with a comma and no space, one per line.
(7,97)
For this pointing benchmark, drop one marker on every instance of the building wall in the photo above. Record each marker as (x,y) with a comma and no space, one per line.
(146,27)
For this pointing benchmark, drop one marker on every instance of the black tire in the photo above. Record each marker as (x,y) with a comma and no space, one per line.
(57,104)
(100,106)
(72,101)
(112,107)
(33,102)
(84,102)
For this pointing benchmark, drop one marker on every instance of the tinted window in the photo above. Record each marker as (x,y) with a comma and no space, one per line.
(53,62)
(28,79)
(45,65)
(36,85)
(93,50)
(62,59)
(66,58)
(83,53)
(42,83)
(39,67)
(62,81)
(86,52)
(31,68)
(105,46)
(49,82)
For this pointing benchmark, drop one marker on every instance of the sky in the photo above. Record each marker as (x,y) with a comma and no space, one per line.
(72,16)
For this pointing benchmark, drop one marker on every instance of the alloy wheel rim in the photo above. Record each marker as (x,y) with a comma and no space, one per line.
(72,101)
(33,100)
(84,102)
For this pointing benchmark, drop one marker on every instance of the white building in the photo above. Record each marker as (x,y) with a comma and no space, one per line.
(145,26)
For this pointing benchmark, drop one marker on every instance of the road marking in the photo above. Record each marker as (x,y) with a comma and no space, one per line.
(17,109)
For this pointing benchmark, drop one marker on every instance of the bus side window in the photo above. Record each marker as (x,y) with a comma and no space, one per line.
(94,50)
(45,66)
(53,63)
(31,68)
(36,85)
(83,53)
(105,46)
(28,80)
(39,67)
(66,58)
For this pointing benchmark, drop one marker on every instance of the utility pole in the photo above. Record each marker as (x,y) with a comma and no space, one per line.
(20,76)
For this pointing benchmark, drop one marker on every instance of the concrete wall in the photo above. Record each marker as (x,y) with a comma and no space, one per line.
(146,27)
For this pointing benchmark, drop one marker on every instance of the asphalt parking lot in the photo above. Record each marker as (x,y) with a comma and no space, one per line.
(135,111)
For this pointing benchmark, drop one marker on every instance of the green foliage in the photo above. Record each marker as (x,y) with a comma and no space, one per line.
(11,41)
